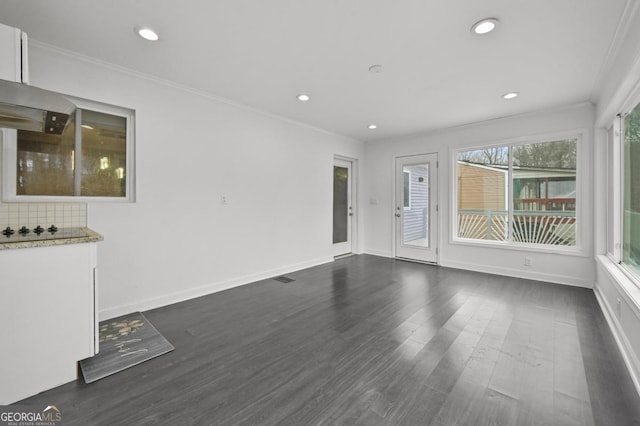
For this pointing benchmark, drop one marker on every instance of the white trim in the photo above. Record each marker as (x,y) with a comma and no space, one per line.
(582,163)
(168,83)
(621,32)
(419,254)
(430,133)
(180,296)
(628,355)
(506,245)
(630,294)
(381,253)
(349,246)
(357,219)
(627,92)
(619,193)
(518,273)
(626,285)
(8,146)
(614,167)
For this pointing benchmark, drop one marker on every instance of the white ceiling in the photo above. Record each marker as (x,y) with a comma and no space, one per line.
(263,53)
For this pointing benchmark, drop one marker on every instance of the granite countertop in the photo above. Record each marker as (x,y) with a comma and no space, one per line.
(80,235)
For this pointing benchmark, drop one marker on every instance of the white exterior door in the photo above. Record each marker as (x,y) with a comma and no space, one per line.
(415,211)
(342,207)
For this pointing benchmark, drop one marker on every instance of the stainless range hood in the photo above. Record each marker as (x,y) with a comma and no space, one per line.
(26,107)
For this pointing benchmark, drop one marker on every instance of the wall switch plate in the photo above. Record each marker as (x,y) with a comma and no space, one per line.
(528,261)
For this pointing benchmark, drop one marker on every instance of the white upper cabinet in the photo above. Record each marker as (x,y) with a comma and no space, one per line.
(13,55)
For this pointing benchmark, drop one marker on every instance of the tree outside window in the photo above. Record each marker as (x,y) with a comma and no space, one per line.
(631,200)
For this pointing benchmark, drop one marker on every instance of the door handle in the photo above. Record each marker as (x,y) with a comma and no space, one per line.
(350,214)
(397,214)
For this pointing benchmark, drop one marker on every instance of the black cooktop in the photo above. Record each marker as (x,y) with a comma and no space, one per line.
(24,234)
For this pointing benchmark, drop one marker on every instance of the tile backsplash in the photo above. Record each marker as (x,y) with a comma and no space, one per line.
(63,215)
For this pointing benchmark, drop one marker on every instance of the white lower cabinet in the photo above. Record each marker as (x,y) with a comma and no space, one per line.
(48,316)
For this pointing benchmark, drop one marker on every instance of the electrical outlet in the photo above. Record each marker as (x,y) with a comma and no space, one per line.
(528,261)
(223,199)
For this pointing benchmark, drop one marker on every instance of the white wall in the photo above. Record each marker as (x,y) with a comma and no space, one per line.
(561,268)
(177,240)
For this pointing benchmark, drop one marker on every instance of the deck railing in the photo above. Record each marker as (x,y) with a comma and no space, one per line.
(533,227)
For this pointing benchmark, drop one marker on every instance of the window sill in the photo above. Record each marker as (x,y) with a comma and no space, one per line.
(65,199)
(573,251)
(629,286)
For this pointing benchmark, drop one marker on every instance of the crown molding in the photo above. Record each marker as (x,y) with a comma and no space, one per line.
(584,105)
(629,13)
(181,87)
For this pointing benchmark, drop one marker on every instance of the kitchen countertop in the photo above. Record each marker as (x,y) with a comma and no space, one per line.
(89,236)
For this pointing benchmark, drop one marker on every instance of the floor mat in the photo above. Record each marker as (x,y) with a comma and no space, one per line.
(124,342)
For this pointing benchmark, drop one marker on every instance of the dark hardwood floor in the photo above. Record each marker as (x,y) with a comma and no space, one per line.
(372,341)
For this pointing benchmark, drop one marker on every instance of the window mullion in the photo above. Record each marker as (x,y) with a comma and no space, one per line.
(77,157)
(617,199)
(510,195)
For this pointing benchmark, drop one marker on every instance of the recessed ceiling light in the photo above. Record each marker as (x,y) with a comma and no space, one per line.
(303,97)
(510,95)
(147,33)
(484,26)
(372,127)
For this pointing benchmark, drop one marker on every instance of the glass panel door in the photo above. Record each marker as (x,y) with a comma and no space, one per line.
(415,210)
(342,207)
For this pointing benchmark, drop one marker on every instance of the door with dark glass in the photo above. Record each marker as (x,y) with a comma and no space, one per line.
(342,207)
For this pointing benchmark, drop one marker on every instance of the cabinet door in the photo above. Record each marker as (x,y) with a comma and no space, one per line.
(10,54)
(47,317)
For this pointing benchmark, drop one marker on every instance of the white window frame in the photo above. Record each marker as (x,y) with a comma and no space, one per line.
(581,136)
(409,192)
(615,190)
(615,168)
(9,156)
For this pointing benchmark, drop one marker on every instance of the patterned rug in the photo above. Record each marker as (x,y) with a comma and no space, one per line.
(124,342)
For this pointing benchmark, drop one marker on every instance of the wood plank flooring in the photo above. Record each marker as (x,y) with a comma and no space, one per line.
(372,341)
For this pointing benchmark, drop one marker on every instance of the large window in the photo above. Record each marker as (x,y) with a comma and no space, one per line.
(524,194)
(631,196)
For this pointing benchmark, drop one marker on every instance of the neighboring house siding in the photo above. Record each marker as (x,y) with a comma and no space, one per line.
(480,188)
(415,223)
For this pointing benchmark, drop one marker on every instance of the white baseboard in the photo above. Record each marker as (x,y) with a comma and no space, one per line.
(517,273)
(380,253)
(180,296)
(630,359)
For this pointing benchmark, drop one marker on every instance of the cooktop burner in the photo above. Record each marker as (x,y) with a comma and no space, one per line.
(40,234)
